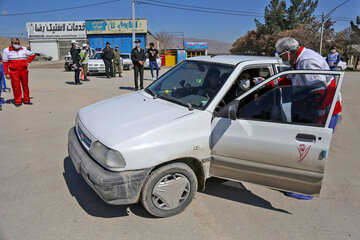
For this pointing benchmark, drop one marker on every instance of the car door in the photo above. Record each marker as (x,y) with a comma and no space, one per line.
(275,136)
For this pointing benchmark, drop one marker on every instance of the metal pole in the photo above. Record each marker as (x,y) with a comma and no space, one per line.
(133,23)
(322,32)
(325,18)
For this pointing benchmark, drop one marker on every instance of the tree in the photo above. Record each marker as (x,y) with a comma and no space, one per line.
(164,39)
(279,18)
(354,47)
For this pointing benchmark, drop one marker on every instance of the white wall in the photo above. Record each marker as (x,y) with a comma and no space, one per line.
(47,47)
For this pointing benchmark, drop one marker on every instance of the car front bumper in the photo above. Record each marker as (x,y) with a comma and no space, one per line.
(115,188)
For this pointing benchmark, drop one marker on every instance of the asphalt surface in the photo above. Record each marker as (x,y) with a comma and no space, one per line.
(42,196)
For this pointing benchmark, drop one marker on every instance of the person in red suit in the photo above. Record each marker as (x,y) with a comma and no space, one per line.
(15,61)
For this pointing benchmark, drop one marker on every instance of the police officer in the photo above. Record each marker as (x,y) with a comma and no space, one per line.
(84,55)
(75,55)
(138,59)
(116,60)
(107,56)
(333,59)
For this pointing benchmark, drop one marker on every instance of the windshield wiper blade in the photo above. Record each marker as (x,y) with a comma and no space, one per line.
(152,93)
(172,99)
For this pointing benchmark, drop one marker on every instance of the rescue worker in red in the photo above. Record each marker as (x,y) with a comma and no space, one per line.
(303,58)
(15,61)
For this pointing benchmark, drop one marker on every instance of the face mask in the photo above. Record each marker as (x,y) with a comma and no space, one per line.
(15,46)
(333,51)
(138,44)
(244,84)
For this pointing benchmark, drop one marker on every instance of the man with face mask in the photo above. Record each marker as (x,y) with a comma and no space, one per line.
(302,58)
(15,61)
(333,59)
(138,59)
(75,55)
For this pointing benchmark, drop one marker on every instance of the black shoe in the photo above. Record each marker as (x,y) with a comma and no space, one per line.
(86,80)
(17,105)
(120,75)
(28,103)
(79,83)
(108,76)
(0,108)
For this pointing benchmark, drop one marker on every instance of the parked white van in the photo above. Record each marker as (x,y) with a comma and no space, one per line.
(206,117)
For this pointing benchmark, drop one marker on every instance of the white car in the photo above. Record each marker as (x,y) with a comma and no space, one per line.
(205,118)
(147,63)
(126,61)
(342,66)
(96,64)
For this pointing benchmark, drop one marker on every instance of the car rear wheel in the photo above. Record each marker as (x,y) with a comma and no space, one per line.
(169,190)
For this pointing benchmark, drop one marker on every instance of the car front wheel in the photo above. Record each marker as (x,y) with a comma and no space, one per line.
(169,190)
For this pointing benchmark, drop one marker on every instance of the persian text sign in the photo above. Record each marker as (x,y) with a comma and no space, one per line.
(54,30)
(115,26)
(195,45)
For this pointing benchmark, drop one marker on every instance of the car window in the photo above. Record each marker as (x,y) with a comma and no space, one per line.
(125,56)
(193,82)
(244,82)
(301,104)
(96,56)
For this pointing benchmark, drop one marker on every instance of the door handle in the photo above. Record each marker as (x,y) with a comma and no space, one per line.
(305,137)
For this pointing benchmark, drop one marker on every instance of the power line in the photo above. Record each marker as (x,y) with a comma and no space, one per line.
(199,10)
(58,10)
(215,9)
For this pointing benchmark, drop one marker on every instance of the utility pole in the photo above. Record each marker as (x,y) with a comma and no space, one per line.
(325,18)
(133,23)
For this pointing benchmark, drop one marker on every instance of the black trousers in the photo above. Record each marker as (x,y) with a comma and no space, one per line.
(139,69)
(77,72)
(108,68)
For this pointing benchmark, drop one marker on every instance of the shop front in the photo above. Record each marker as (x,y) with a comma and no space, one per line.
(54,38)
(194,49)
(118,32)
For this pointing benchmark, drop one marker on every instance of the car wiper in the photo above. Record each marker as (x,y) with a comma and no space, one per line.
(151,92)
(172,99)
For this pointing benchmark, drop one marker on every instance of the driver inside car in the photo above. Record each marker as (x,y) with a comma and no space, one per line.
(211,83)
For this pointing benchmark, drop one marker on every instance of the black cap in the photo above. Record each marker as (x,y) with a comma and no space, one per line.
(108,43)
(137,41)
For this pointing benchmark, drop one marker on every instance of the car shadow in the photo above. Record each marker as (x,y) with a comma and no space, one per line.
(236,191)
(91,202)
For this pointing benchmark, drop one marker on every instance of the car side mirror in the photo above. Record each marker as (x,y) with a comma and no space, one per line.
(232,112)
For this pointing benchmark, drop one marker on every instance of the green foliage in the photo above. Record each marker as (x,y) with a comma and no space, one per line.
(278,17)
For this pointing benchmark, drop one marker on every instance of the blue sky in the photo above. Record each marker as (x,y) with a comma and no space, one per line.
(193,24)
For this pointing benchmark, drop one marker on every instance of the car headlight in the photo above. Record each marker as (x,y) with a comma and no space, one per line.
(109,157)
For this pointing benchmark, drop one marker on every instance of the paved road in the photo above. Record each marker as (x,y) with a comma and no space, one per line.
(42,197)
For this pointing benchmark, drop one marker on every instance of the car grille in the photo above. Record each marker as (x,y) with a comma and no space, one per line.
(82,136)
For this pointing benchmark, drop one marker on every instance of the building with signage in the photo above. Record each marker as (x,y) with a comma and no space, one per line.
(195,49)
(118,32)
(54,38)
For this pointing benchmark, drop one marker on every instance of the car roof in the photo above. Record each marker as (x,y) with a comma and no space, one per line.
(233,59)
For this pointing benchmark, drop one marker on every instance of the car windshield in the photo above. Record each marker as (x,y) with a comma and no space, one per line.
(125,56)
(96,56)
(191,82)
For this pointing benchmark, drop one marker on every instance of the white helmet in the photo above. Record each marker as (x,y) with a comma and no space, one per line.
(84,45)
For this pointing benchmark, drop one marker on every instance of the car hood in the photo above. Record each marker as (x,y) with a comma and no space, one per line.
(118,119)
(96,61)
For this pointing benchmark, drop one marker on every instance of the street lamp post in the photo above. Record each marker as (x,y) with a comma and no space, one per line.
(323,19)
